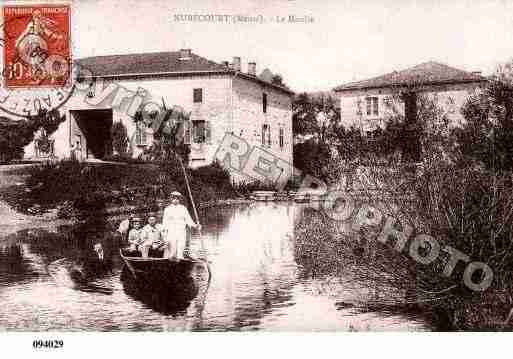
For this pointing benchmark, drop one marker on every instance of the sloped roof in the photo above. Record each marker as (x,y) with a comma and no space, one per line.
(158,64)
(428,73)
(148,63)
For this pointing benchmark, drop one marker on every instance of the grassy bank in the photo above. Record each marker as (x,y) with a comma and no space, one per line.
(74,189)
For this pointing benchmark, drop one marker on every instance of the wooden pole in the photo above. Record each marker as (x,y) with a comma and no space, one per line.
(192,202)
(188,189)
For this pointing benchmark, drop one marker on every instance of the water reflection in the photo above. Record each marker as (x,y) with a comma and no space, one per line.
(51,282)
(169,296)
(14,266)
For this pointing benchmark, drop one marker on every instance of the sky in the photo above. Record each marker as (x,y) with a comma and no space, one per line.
(347,40)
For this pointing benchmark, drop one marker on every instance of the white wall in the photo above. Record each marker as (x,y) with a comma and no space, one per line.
(249,116)
(175,92)
(450,97)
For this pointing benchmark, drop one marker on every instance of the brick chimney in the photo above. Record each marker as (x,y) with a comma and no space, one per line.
(236,63)
(226,64)
(252,68)
(185,54)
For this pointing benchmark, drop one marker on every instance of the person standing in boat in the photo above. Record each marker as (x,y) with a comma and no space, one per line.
(175,219)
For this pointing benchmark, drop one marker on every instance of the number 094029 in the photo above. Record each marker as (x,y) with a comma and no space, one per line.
(47,344)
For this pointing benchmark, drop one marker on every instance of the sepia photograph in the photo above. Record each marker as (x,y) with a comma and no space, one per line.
(284,166)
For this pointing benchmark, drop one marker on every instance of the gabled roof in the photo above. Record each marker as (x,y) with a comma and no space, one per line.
(159,64)
(428,73)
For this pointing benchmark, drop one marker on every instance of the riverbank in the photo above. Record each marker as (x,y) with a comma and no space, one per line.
(35,215)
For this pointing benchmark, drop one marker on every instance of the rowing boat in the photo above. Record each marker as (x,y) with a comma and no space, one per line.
(156,268)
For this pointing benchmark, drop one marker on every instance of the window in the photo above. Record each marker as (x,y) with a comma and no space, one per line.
(198,95)
(281,137)
(372,106)
(264,102)
(201,131)
(266,135)
(141,138)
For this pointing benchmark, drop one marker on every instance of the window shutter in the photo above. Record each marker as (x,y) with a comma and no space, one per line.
(187,132)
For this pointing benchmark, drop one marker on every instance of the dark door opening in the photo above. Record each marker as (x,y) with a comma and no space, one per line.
(96,127)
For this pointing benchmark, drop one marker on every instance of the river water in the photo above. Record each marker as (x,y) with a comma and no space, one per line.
(256,282)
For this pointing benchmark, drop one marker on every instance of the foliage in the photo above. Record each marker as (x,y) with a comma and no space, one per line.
(465,208)
(13,138)
(486,137)
(168,138)
(312,158)
(277,79)
(246,188)
(315,115)
(77,188)
(401,139)
(471,210)
(208,183)
(119,139)
(16,134)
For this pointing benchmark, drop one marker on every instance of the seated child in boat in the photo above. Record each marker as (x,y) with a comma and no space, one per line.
(151,237)
(134,236)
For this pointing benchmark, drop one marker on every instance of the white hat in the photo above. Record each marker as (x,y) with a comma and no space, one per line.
(175,194)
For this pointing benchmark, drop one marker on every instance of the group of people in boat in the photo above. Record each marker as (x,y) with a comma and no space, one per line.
(166,239)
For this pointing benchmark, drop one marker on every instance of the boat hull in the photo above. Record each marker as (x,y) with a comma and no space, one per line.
(157,269)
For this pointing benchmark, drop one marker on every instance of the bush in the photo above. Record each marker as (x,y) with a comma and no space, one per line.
(119,139)
(16,134)
(76,188)
(471,210)
(214,174)
(312,158)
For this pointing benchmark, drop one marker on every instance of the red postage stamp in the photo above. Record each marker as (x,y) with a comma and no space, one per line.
(37,49)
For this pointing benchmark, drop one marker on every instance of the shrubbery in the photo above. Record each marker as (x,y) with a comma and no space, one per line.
(76,188)
(16,134)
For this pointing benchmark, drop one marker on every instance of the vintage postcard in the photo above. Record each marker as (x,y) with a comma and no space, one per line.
(261,165)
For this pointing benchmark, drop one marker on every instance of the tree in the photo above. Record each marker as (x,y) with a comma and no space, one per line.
(277,79)
(416,126)
(170,137)
(16,134)
(316,115)
(312,158)
(486,137)
(119,138)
